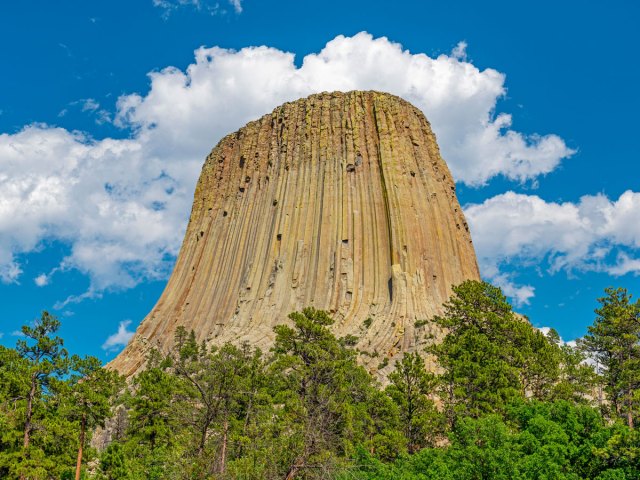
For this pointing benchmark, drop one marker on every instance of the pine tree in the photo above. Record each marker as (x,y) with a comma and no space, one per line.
(490,356)
(91,390)
(321,386)
(153,440)
(577,380)
(14,382)
(216,391)
(614,342)
(477,355)
(113,463)
(537,357)
(46,359)
(411,386)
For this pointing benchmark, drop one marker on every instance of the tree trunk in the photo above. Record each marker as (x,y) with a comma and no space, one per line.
(450,409)
(223,453)
(204,433)
(83,426)
(29,414)
(630,409)
(293,471)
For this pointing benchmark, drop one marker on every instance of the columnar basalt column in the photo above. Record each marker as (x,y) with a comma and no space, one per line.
(339,201)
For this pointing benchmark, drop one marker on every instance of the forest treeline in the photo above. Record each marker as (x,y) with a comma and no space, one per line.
(508,402)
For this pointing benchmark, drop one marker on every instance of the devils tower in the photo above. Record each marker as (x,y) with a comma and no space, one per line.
(339,201)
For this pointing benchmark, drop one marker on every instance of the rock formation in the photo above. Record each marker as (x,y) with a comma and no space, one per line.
(339,201)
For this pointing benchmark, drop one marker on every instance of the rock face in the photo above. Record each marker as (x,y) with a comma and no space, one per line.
(339,201)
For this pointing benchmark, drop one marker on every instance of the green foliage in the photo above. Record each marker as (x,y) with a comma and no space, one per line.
(577,381)
(622,453)
(490,357)
(151,434)
(219,394)
(534,440)
(37,442)
(113,463)
(49,403)
(614,342)
(383,363)
(90,392)
(507,403)
(13,385)
(410,388)
(421,323)
(329,400)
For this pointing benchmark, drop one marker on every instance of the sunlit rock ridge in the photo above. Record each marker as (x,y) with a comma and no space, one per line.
(339,201)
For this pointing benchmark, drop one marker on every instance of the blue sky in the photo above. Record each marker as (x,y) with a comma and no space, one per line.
(107,110)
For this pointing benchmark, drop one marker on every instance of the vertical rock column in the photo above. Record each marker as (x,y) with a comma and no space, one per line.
(339,201)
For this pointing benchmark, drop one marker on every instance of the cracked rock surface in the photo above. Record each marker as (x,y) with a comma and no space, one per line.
(339,201)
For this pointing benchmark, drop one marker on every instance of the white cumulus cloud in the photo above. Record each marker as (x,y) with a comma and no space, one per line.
(593,234)
(122,204)
(519,294)
(225,88)
(120,338)
(110,200)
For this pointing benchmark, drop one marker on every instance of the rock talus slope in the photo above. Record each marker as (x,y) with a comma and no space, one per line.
(339,201)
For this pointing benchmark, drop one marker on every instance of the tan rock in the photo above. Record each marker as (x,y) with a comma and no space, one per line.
(339,201)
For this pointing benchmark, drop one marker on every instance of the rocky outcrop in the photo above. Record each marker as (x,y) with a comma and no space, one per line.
(339,201)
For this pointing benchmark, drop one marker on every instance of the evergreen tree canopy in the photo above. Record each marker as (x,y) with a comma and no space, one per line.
(507,402)
(614,342)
